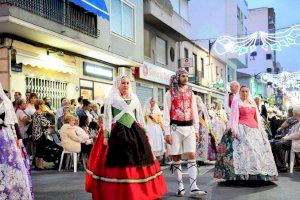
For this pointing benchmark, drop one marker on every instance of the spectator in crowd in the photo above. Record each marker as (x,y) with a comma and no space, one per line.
(30,110)
(23,119)
(49,110)
(294,134)
(65,102)
(85,110)
(279,146)
(27,95)
(73,107)
(261,107)
(39,127)
(80,102)
(84,124)
(95,112)
(60,120)
(69,139)
(17,96)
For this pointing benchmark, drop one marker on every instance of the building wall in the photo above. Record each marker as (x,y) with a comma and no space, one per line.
(224,15)
(4,68)
(106,41)
(171,43)
(258,21)
(17,79)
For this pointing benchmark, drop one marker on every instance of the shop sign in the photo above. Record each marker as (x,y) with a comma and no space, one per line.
(154,73)
(98,71)
(218,85)
(17,67)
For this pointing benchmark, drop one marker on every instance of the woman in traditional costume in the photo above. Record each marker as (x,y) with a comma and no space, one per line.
(245,152)
(15,180)
(153,118)
(122,164)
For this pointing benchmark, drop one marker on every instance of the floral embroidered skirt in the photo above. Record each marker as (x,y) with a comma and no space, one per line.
(134,174)
(15,180)
(249,157)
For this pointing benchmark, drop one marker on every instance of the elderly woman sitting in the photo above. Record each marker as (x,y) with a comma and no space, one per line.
(279,147)
(69,139)
(294,134)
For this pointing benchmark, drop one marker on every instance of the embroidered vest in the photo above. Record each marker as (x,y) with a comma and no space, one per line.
(181,108)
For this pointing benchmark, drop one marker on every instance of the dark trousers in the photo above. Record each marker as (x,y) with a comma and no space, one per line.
(279,148)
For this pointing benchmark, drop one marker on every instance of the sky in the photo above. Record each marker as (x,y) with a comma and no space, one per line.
(287,14)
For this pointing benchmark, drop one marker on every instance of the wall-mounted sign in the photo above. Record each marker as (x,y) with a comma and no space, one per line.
(17,67)
(154,73)
(90,69)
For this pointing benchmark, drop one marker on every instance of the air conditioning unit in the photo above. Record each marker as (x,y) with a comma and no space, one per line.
(269,70)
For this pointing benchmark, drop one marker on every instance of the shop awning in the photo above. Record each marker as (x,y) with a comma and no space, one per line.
(98,7)
(198,88)
(48,63)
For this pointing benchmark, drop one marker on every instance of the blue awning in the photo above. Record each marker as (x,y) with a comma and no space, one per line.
(98,7)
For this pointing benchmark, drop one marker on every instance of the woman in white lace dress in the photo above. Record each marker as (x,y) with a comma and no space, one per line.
(245,152)
(15,180)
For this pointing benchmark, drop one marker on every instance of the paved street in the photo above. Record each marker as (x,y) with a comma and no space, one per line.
(51,185)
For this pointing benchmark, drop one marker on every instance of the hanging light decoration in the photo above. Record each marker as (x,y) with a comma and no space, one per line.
(268,41)
(285,80)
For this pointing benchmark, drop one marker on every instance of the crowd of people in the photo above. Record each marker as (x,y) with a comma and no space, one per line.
(126,142)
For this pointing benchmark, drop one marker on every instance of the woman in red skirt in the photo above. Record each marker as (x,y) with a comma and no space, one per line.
(121,164)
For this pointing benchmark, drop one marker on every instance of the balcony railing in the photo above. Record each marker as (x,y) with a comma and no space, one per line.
(62,12)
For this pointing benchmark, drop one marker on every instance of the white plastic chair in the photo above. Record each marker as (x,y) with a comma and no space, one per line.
(74,155)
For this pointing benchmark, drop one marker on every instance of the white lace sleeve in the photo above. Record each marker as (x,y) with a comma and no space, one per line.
(107,120)
(140,115)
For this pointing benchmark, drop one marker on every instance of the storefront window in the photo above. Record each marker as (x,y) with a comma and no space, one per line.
(93,90)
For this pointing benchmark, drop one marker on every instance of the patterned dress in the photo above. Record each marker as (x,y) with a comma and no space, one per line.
(155,133)
(202,145)
(15,181)
(249,157)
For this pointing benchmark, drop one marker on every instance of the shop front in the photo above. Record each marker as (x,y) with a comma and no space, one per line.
(35,70)
(151,81)
(96,81)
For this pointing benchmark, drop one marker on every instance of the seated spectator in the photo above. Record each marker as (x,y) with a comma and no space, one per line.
(95,112)
(294,134)
(80,132)
(60,120)
(85,110)
(70,141)
(73,107)
(65,102)
(279,147)
(84,124)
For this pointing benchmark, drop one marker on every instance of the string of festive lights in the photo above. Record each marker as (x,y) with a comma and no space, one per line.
(285,80)
(268,41)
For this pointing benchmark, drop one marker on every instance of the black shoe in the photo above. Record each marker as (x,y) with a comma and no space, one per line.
(180,193)
(283,169)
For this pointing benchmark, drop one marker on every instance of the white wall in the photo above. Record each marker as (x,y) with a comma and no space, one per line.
(258,21)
